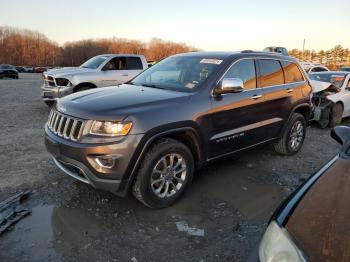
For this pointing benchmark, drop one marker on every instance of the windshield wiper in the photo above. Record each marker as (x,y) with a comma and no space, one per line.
(152,86)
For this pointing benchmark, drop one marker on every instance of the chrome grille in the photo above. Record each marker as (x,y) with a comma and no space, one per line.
(65,126)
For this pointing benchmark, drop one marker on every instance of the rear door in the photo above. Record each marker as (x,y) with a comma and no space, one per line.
(278,95)
(236,118)
(133,68)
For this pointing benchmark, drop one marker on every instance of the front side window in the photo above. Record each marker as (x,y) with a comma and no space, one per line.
(117,63)
(94,62)
(291,72)
(271,73)
(244,70)
(178,73)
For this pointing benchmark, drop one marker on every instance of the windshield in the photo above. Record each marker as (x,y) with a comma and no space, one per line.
(335,79)
(94,62)
(178,73)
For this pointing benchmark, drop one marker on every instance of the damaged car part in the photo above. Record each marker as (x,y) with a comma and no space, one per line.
(331,97)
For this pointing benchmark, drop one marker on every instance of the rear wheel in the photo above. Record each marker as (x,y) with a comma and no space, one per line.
(336,115)
(164,174)
(293,136)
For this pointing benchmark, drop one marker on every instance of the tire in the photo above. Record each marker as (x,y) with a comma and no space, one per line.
(50,103)
(295,131)
(336,115)
(145,191)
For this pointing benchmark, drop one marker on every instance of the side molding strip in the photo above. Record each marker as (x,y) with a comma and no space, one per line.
(246,128)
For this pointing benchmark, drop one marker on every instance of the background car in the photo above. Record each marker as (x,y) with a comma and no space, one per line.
(313,68)
(277,49)
(40,69)
(8,71)
(345,68)
(331,97)
(313,223)
(20,69)
(99,71)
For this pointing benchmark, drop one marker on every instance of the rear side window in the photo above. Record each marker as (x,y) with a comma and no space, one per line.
(244,70)
(291,72)
(133,63)
(271,73)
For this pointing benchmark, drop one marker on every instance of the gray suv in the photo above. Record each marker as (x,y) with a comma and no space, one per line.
(151,134)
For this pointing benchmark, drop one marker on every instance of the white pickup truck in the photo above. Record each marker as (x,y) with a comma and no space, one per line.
(99,71)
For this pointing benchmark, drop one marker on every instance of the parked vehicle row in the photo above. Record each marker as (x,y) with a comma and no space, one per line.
(151,134)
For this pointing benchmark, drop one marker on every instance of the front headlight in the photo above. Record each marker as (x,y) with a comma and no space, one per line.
(107,128)
(277,245)
(63,82)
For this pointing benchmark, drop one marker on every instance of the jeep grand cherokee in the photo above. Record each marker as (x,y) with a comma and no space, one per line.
(151,134)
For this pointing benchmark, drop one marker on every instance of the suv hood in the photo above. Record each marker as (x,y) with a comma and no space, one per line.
(68,71)
(118,102)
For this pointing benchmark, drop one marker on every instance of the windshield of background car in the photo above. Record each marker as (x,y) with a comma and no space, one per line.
(345,69)
(335,79)
(94,62)
(178,73)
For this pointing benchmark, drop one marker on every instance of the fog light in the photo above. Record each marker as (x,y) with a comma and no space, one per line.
(107,161)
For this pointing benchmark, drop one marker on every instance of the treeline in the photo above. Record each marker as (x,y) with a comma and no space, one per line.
(332,58)
(32,48)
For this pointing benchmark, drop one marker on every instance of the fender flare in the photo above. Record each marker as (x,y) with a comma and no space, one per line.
(147,141)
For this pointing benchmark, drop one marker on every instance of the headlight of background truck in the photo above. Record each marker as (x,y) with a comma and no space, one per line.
(63,82)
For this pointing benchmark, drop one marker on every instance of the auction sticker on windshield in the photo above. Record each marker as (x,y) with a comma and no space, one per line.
(211,61)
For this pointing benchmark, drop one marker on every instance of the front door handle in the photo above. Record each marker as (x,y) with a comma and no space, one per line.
(290,90)
(124,74)
(256,97)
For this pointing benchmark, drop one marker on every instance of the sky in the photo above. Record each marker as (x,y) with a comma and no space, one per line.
(207,25)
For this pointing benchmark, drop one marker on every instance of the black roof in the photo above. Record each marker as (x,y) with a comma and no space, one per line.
(231,54)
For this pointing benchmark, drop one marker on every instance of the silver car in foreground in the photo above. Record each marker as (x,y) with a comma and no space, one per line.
(99,71)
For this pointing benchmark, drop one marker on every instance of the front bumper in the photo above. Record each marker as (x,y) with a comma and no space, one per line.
(79,161)
(53,93)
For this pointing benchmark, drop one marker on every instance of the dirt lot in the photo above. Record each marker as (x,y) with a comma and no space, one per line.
(230,201)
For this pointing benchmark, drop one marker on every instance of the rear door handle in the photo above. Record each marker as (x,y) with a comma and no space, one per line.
(256,97)
(290,90)
(124,75)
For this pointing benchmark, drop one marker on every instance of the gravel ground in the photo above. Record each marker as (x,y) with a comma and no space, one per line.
(227,206)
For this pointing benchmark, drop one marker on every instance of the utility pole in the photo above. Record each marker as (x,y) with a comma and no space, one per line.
(304,45)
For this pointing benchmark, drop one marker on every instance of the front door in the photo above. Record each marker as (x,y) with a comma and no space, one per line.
(115,72)
(236,118)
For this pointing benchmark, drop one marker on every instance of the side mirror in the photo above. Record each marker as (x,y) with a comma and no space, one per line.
(229,85)
(341,134)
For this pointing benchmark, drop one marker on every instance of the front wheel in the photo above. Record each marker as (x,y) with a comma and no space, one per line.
(164,174)
(293,137)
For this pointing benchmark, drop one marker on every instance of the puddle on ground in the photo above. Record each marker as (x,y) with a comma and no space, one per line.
(222,195)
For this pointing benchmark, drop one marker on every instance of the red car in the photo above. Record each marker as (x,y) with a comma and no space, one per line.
(40,69)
